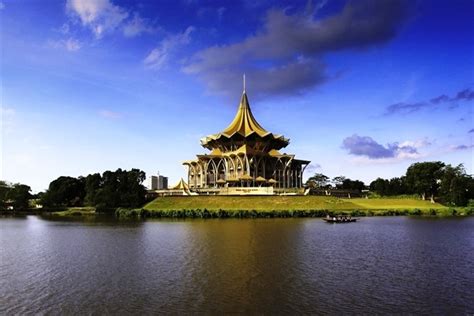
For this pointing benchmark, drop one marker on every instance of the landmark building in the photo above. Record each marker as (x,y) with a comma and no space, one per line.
(245,155)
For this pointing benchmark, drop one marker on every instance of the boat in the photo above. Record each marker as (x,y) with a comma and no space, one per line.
(339,220)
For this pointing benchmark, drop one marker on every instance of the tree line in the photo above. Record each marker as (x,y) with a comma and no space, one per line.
(16,196)
(321,181)
(449,184)
(109,190)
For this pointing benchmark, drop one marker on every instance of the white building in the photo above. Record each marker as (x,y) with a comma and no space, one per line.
(157,182)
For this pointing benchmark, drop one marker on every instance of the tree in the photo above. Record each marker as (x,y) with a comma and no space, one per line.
(355,185)
(21,195)
(93,182)
(396,186)
(319,180)
(4,189)
(118,188)
(65,191)
(380,186)
(456,186)
(424,178)
(337,181)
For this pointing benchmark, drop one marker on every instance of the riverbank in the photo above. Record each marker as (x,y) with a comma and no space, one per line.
(285,203)
(286,206)
(269,207)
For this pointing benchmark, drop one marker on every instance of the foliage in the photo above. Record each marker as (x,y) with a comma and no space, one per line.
(392,187)
(120,188)
(451,184)
(456,188)
(424,178)
(319,180)
(338,181)
(16,195)
(348,184)
(64,191)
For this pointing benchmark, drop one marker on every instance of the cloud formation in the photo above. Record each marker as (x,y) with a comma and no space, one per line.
(407,108)
(137,26)
(102,17)
(368,147)
(159,56)
(285,56)
(471,130)
(461,147)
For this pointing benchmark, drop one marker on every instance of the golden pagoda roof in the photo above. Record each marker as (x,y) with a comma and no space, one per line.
(181,185)
(244,124)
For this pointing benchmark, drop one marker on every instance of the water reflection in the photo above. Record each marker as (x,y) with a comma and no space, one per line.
(383,265)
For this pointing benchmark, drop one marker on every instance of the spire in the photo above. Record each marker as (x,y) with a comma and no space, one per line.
(244,122)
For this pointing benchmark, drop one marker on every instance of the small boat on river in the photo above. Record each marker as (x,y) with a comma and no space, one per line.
(339,219)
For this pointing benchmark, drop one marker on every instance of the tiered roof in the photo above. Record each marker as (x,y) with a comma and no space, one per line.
(243,126)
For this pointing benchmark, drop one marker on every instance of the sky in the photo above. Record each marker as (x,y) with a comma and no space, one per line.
(361,88)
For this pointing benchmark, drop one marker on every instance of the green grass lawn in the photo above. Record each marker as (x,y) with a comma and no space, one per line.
(76,211)
(406,204)
(276,203)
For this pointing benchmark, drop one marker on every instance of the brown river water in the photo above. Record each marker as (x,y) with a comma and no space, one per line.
(271,266)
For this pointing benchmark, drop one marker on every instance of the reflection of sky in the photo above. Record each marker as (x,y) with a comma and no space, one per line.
(119,84)
(271,266)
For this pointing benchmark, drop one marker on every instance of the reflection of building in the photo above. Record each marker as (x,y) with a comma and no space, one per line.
(245,155)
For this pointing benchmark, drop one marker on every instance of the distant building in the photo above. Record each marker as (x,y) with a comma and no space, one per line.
(162,182)
(157,182)
(152,183)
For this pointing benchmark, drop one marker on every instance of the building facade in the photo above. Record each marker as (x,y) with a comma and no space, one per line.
(158,182)
(245,155)
(162,182)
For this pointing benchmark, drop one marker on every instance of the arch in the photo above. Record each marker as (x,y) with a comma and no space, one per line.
(231,168)
(211,173)
(239,166)
(221,169)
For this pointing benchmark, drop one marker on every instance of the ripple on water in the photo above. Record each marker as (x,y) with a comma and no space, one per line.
(380,265)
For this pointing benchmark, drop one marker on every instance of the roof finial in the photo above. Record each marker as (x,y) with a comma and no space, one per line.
(244,82)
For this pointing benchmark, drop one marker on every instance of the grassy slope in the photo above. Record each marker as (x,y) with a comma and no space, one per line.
(76,211)
(264,203)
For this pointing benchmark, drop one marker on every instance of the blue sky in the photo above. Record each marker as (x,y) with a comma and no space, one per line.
(362,89)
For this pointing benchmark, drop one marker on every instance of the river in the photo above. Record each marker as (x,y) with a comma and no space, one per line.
(273,266)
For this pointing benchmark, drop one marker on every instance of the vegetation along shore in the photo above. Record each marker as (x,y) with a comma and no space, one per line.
(273,207)
(427,189)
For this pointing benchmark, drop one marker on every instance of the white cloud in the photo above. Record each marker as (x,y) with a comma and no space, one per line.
(137,26)
(64,29)
(159,56)
(70,44)
(420,143)
(2,5)
(100,16)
